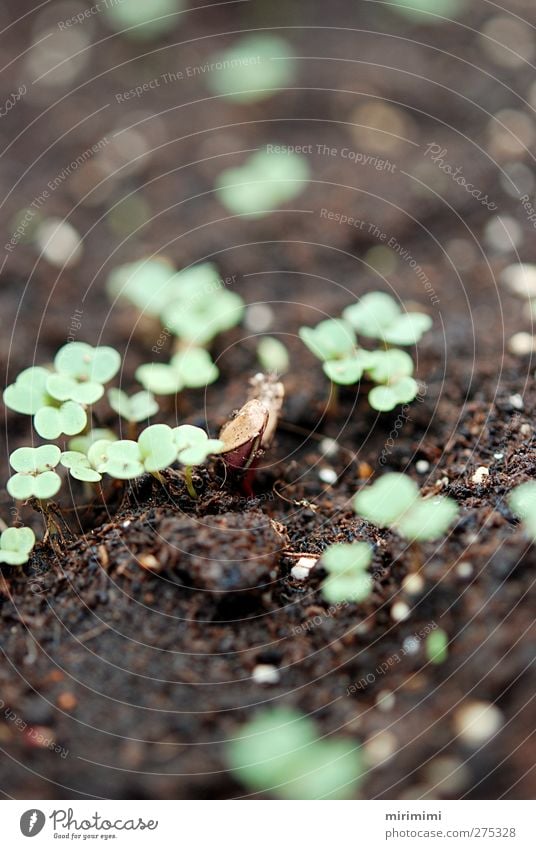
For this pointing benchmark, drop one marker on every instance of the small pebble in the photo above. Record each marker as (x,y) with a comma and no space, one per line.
(149,561)
(67,701)
(516,401)
(410,645)
(413,584)
(259,317)
(385,700)
(464,569)
(380,748)
(59,242)
(521,279)
(521,344)
(328,476)
(498,456)
(422,466)
(399,611)
(266,674)
(300,570)
(126,523)
(476,722)
(525,430)
(329,447)
(480,475)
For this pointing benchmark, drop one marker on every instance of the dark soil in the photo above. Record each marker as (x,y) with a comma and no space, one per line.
(131,645)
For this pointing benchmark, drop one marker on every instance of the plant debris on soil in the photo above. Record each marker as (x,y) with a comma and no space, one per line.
(128,648)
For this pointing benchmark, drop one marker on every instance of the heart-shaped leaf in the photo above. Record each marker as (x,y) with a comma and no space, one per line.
(51,422)
(16,545)
(83,362)
(157,447)
(124,460)
(137,408)
(195,367)
(29,393)
(65,388)
(159,378)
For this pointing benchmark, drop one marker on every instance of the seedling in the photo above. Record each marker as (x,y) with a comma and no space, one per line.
(273,355)
(16,545)
(80,466)
(193,304)
(376,315)
(437,646)
(190,369)
(35,473)
(252,68)
(136,408)
(29,395)
(263,183)
(522,501)
(394,502)
(279,752)
(84,442)
(193,448)
(346,564)
(58,399)
(142,21)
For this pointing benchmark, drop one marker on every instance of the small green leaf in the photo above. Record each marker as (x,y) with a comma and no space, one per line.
(192,445)
(347,580)
(252,67)
(139,21)
(347,557)
(124,460)
(137,408)
(273,355)
(408,329)
(64,388)
(16,545)
(372,314)
(331,339)
(428,518)
(387,499)
(149,284)
(263,183)
(98,454)
(195,368)
(159,378)
(157,447)
(33,461)
(51,422)
(28,394)
(390,366)
(79,466)
(344,372)
(85,363)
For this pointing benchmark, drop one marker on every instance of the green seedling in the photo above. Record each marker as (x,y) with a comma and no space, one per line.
(279,752)
(87,365)
(252,68)
(193,448)
(192,369)
(143,21)
(263,183)
(126,459)
(348,580)
(16,545)
(522,501)
(273,355)
(121,460)
(429,11)
(35,473)
(378,316)
(136,408)
(437,646)
(394,502)
(29,395)
(80,466)
(149,284)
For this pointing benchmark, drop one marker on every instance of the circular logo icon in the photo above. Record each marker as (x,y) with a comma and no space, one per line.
(32,822)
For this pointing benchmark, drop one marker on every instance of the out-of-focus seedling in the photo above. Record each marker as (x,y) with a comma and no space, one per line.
(348,580)
(522,501)
(437,646)
(16,545)
(394,502)
(135,408)
(84,442)
(280,753)
(252,68)
(273,355)
(142,21)
(190,369)
(263,183)
(378,316)
(35,475)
